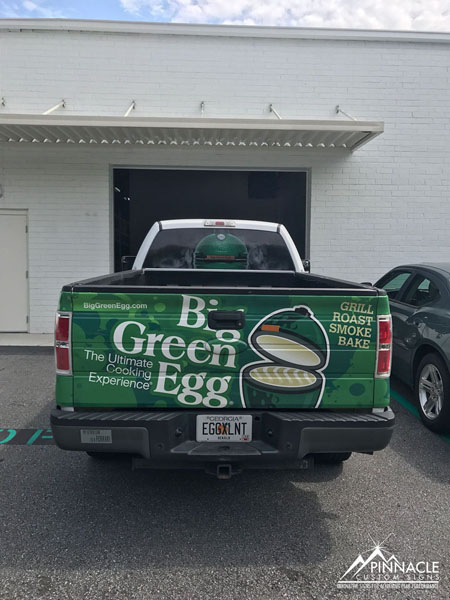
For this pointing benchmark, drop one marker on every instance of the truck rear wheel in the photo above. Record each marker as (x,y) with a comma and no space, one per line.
(332,457)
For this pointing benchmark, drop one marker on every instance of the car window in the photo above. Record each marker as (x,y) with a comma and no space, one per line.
(218,248)
(423,291)
(393,283)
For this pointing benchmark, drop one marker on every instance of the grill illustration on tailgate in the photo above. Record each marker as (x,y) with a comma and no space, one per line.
(295,349)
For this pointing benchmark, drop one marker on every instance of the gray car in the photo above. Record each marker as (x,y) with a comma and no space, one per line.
(419,296)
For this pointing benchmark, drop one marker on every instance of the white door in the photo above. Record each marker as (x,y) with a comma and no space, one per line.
(13,271)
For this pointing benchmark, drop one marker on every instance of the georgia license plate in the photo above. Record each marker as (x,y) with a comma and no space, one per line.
(224,428)
(96,436)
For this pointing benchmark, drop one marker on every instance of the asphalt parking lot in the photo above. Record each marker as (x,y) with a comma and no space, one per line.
(72,527)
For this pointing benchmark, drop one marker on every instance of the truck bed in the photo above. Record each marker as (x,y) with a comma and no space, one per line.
(269,339)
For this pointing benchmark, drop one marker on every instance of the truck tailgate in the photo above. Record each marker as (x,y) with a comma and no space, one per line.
(292,350)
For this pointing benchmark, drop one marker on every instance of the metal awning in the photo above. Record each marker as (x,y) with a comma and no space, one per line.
(260,133)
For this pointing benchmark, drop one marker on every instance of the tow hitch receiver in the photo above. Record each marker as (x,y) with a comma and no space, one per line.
(222,470)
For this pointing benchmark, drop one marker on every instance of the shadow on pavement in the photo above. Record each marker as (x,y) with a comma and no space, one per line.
(65,510)
(77,512)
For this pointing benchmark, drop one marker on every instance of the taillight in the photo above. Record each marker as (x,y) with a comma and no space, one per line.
(63,343)
(384,330)
(384,346)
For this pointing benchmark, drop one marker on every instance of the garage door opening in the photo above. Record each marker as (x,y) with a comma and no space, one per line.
(143,196)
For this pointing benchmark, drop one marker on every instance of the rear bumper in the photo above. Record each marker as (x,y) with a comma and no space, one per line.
(279,438)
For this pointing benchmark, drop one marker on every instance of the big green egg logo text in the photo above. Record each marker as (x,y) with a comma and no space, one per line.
(196,388)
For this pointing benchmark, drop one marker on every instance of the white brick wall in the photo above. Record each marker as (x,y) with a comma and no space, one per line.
(385,204)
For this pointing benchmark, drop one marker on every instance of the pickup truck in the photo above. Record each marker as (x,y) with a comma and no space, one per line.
(218,351)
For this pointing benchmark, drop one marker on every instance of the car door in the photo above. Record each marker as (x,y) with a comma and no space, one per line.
(395,283)
(411,318)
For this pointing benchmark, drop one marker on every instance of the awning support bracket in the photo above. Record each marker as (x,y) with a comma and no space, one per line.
(61,104)
(273,110)
(340,111)
(130,108)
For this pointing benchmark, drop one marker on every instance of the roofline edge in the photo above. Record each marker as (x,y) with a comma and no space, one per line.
(152,28)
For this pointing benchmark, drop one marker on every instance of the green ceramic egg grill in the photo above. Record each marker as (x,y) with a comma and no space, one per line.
(221,251)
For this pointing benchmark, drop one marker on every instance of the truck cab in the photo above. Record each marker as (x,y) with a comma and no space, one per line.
(182,234)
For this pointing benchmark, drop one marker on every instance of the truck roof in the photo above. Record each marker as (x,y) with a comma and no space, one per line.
(238,223)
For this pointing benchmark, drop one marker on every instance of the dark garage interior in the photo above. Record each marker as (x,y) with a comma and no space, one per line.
(143,196)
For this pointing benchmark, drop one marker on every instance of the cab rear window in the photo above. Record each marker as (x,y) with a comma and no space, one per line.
(221,248)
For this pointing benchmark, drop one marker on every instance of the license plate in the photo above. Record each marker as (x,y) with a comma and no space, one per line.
(96,436)
(224,428)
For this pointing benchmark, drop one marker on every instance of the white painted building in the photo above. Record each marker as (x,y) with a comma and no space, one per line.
(85,175)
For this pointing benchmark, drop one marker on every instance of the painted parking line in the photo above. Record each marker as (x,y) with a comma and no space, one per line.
(412,409)
(405,403)
(26,437)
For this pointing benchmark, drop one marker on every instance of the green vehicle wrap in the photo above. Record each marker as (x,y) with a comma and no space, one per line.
(149,350)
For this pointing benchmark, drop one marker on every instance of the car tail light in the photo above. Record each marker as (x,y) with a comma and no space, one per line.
(384,346)
(63,349)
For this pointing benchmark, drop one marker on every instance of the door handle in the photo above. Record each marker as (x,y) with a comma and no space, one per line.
(226,319)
